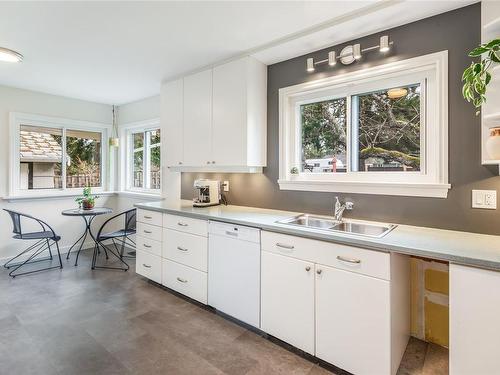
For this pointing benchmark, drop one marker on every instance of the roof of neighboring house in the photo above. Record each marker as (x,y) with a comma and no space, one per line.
(39,147)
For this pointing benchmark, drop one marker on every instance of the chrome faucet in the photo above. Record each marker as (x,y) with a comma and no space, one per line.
(339,209)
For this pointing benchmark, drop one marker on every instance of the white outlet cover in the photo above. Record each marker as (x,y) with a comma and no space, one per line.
(486,199)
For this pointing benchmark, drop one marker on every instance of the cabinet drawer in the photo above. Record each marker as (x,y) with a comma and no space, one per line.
(148,245)
(148,265)
(185,280)
(186,224)
(363,261)
(150,217)
(149,231)
(185,248)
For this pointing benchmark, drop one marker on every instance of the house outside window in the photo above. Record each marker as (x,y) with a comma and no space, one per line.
(381,130)
(38,163)
(141,168)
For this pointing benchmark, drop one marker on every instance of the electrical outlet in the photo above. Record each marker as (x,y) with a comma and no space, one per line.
(226,185)
(484,199)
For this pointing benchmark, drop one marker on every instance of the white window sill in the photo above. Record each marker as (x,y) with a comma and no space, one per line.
(377,188)
(141,195)
(53,195)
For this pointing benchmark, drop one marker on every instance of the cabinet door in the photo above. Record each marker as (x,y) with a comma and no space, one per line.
(474,320)
(353,321)
(198,119)
(287,292)
(172,122)
(229,137)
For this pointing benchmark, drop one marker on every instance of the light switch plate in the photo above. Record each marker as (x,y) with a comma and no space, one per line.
(226,185)
(484,199)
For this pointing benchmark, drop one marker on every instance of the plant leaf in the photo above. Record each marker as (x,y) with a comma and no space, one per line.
(478,51)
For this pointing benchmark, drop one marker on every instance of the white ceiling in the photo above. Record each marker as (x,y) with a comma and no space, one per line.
(118,52)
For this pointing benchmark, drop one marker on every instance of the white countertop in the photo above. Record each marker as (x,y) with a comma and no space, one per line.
(479,250)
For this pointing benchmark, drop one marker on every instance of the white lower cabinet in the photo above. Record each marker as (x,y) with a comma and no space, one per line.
(353,321)
(474,321)
(287,300)
(148,265)
(185,280)
(345,305)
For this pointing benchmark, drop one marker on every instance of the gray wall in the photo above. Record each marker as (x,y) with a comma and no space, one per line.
(458,32)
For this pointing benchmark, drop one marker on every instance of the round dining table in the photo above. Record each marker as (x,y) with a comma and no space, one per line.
(88,216)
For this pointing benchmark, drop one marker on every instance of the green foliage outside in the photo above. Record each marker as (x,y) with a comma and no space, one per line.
(389,129)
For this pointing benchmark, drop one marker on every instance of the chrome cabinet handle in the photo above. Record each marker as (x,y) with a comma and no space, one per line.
(180,162)
(208,162)
(182,224)
(349,260)
(181,248)
(231,233)
(147,231)
(319,272)
(290,247)
(213,162)
(147,217)
(146,265)
(147,246)
(308,268)
(181,280)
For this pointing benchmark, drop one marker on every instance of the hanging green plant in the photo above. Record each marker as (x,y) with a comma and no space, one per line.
(477,76)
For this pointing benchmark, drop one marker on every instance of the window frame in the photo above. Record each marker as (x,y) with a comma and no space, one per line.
(17,119)
(126,136)
(430,71)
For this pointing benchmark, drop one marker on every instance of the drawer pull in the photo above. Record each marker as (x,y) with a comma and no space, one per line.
(231,233)
(319,272)
(146,265)
(182,224)
(349,260)
(181,248)
(308,268)
(181,280)
(289,247)
(147,231)
(147,217)
(146,246)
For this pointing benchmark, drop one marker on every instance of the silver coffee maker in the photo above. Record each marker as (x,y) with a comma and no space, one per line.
(208,193)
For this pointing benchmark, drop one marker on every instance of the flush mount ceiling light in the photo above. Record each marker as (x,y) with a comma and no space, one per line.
(8,55)
(349,54)
(397,93)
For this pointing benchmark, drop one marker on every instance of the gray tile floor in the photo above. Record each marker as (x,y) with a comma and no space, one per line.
(78,321)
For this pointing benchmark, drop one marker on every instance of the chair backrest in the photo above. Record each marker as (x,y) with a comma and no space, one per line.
(130,219)
(16,221)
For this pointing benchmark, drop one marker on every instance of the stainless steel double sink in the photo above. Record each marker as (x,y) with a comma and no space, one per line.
(355,227)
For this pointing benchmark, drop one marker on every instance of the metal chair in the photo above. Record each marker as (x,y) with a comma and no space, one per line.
(42,243)
(122,236)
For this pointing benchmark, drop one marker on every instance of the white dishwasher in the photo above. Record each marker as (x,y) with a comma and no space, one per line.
(234,271)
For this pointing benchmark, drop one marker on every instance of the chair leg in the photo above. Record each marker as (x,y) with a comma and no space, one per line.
(59,254)
(117,255)
(50,250)
(40,250)
(8,265)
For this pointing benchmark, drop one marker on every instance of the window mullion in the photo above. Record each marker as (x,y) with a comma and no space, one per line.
(354,127)
(146,159)
(63,159)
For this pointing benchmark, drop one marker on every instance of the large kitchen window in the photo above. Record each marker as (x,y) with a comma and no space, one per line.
(381,130)
(143,157)
(50,155)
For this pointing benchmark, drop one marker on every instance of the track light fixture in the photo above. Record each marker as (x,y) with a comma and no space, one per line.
(349,54)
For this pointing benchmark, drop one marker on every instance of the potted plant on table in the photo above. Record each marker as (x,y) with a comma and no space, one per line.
(87,201)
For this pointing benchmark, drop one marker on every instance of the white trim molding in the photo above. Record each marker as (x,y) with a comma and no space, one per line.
(431,72)
(16,119)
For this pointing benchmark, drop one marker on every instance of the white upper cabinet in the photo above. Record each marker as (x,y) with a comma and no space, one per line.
(239,113)
(172,121)
(224,118)
(197,118)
